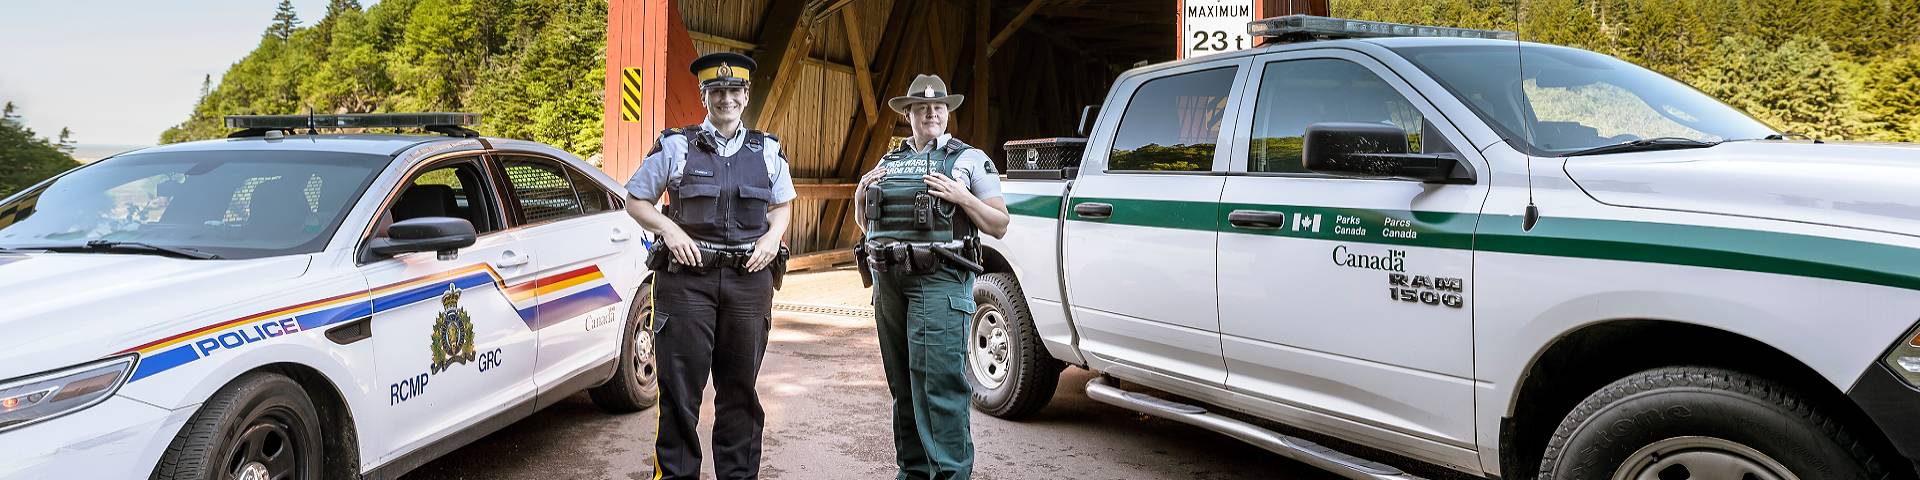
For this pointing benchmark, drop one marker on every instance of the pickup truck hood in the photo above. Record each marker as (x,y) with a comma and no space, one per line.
(69,308)
(1870,186)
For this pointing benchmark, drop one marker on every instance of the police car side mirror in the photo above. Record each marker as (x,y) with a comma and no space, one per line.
(1375,150)
(444,235)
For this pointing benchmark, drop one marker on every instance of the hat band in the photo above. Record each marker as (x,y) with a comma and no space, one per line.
(723,72)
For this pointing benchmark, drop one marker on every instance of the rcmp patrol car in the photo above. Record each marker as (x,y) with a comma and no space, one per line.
(285,305)
(1442,250)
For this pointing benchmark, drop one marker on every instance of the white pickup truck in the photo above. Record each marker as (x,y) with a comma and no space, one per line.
(1444,250)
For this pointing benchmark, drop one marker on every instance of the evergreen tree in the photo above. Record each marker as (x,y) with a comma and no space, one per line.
(66,140)
(27,159)
(284,21)
(337,7)
(1799,87)
(1890,92)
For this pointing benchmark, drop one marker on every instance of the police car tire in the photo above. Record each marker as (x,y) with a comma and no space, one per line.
(630,390)
(1032,374)
(197,452)
(1645,409)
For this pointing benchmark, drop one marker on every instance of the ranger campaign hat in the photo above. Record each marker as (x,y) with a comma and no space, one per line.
(925,88)
(723,69)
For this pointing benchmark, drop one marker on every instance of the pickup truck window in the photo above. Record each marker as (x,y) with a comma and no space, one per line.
(1567,100)
(1297,93)
(1173,123)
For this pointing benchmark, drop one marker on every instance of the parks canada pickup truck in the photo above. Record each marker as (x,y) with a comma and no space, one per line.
(1448,252)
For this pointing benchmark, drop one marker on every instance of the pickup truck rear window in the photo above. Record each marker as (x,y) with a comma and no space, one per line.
(1173,123)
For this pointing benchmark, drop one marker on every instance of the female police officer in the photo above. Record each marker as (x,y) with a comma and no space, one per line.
(922,258)
(731,192)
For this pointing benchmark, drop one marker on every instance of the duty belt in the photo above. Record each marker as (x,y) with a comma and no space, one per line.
(714,256)
(917,258)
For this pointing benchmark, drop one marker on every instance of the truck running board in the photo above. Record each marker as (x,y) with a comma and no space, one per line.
(1298,449)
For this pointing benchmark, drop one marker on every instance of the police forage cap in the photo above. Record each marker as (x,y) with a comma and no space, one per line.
(723,69)
(925,88)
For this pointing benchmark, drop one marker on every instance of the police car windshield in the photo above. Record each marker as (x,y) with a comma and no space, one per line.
(234,204)
(1568,100)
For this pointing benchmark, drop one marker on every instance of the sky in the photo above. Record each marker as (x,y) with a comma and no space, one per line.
(121,71)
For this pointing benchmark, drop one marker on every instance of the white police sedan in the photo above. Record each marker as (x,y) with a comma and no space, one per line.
(294,306)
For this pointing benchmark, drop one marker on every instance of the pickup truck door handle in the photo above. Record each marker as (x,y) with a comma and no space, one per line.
(1093,210)
(1256,219)
(620,235)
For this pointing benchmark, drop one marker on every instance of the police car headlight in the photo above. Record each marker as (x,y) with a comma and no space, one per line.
(39,397)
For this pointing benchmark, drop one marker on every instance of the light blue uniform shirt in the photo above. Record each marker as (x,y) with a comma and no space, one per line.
(663,167)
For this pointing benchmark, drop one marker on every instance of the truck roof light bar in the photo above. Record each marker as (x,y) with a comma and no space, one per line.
(1298,28)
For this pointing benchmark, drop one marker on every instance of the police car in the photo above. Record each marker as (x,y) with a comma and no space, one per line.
(1389,250)
(290,304)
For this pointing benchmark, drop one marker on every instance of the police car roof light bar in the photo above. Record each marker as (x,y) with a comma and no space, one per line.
(447,123)
(1294,28)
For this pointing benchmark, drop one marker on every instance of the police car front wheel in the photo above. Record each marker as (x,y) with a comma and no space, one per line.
(261,426)
(1696,423)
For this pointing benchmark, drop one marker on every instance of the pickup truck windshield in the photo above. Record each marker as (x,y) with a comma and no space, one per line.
(1567,100)
(233,204)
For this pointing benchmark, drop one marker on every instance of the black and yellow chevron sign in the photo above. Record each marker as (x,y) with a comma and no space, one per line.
(630,94)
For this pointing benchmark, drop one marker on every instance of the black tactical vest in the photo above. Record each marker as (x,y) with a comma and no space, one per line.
(899,207)
(721,199)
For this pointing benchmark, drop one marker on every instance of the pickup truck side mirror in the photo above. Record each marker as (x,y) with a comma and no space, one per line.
(1088,114)
(1352,149)
(444,235)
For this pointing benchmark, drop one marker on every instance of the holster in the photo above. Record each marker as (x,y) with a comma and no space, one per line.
(860,259)
(779,267)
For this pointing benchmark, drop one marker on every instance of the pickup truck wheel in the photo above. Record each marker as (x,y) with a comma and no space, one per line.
(1010,371)
(635,385)
(1697,423)
(260,427)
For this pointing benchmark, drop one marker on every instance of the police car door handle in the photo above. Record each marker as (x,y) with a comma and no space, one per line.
(620,235)
(1256,219)
(510,259)
(1093,210)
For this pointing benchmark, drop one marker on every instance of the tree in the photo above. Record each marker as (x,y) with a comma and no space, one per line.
(1890,95)
(337,7)
(66,140)
(284,21)
(27,159)
(1799,87)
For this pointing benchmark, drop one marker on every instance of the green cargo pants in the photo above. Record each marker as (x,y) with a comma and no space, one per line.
(923,322)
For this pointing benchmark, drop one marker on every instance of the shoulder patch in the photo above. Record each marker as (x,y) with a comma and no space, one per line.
(990,168)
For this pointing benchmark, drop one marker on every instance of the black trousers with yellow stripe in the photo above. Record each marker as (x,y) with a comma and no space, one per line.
(713,323)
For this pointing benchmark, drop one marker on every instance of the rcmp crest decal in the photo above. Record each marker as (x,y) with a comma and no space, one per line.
(452,333)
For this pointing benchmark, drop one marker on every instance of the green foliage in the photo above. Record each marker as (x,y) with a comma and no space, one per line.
(25,158)
(285,21)
(1833,69)
(534,69)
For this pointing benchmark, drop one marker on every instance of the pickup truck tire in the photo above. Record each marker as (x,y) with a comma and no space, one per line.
(1702,423)
(635,385)
(1010,371)
(260,426)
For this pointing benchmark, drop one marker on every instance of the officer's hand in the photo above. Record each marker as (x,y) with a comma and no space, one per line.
(872,176)
(763,253)
(939,185)
(683,248)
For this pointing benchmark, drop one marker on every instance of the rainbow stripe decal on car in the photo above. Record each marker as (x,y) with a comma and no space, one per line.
(540,303)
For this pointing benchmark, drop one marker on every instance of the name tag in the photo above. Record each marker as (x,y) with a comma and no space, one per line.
(701,173)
